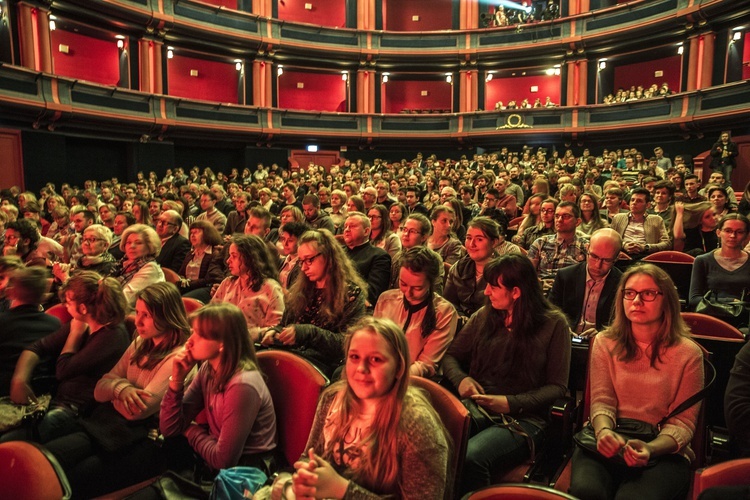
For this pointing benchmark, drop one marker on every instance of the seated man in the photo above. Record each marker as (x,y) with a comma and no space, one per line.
(24,323)
(642,234)
(586,291)
(373,264)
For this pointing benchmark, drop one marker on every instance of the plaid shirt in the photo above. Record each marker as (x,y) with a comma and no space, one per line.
(553,255)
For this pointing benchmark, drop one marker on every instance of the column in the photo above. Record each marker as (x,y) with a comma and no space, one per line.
(263,72)
(693,67)
(44,42)
(468,14)
(368,82)
(366,14)
(151,75)
(263,8)
(707,60)
(34,38)
(468,91)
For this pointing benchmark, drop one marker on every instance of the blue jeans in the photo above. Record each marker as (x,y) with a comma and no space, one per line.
(495,448)
(58,421)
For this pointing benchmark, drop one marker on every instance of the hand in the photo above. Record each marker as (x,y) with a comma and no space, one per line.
(77,332)
(21,392)
(469,387)
(181,366)
(609,443)
(214,287)
(328,482)
(280,484)
(288,335)
(304,479)
(495,404)
(679,207)
(588,333)
(133,399)
(268,337)
(636,453)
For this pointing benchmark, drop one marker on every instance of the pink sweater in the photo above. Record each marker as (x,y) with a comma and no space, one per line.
(637,390)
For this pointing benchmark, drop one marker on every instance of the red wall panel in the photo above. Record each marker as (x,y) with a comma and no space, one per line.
(642,73)
(746,59)
(518,88)
(321,91)
(89,58)
(407,94)
(324,12)
(216,81)
(229,4)
(433,15)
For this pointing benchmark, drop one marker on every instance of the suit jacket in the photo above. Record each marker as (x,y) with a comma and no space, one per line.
(211,272)
(653,227)
(374,265)
(569,289)
(173,252)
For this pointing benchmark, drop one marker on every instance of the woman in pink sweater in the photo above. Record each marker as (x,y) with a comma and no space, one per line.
(642,367)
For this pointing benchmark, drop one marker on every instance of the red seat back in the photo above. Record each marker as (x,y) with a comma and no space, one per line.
(30,472)
(60,312)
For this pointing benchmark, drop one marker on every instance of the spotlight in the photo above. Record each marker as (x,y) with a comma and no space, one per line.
(280,70)
(737,36)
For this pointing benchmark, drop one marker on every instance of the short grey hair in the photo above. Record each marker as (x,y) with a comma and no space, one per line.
(150,238)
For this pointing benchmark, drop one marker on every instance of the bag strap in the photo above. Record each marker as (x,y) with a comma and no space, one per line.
(695,397)
(510,423)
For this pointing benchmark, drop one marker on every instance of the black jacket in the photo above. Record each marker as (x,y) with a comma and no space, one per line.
(173,252)
(374,265)
(569,289)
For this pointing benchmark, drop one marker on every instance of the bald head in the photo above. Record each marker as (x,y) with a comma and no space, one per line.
(604,247)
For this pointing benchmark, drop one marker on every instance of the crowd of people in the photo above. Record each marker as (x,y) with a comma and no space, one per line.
(478,271)
(636,93)
(525,104)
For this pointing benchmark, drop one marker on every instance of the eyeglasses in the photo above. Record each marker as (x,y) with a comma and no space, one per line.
(565,217)
(374,217)
(490,199)
(309,261)
(739,233)
(645,295)
(596,258)
(405,230)
(91,241)
(165,223)
(547,211)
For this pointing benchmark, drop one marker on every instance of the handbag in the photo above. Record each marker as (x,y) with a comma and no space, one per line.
(480,419)
(13,415)
(632,428)
(237,482)
(170,486)
(735,313)
(112,431)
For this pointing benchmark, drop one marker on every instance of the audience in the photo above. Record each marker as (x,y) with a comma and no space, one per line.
(138,268)
(203,266)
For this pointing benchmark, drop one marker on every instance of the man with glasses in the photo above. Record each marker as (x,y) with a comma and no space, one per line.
(372,263)
(174,247)
(586,291)
(565,248)
(642,234)
(490,208)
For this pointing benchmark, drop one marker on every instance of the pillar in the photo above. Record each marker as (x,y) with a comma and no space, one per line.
(468,91)
(693,66)
(707,60)
(34,38)
(368,82)
(366,14)
(151,75)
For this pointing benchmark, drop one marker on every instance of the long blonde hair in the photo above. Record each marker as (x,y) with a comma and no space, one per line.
(380,467)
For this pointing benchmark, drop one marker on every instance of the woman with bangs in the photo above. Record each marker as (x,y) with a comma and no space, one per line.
(323,302)
(591,219)
(241,426)
(374,436)
(512,358)
(113,450)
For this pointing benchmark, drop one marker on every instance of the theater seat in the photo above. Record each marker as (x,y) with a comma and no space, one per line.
(30,472)
(518,492)
(60,312)
(295,385)
(191,305)
(731,473)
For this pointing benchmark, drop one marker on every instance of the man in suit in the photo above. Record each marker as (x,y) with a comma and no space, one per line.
(372,263)
(174,247)
(586,291)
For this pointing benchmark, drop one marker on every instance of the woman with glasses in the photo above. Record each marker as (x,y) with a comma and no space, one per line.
(591,219)
(414,233)
(94,246)
(253,285)
(381,234)
(511,358)
(641,367)
(726,270)
(326,299)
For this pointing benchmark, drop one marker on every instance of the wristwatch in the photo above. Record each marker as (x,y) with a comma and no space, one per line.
(648,248)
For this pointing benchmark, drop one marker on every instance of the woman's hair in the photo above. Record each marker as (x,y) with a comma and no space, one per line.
(456,206)
(102,296)
(358,202)
(147,233)
(381,466)
(341,194)
(723,191)
(385,223)
(101,232)
(530,311)
(129,218)
(297,215)
(167,310)
(401,207)
(211,235)
(439,209)
(596,217)
(225,323)
(734,216)
(339,270)
(672,325)
(532,220)
(424,223)
(421,259)
(145,214)
(257,259)
(488,226)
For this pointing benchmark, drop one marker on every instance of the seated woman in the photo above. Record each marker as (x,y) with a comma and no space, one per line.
(85,349)
(720,200)
(443,240)
(253,285)
(641,367)
(512,357)
(99,458)
(374,436)
(725,271)
(695,228)
(533,216)
(122,221)
(203,266)
(428,320)
(337,210)
(241,420)
(591,220)
(141,213)
(381,234)
(397,214)
(289,235)
(326,299)
(458,223)
(465,285)
(138,268)
(94,245)
(546,224)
